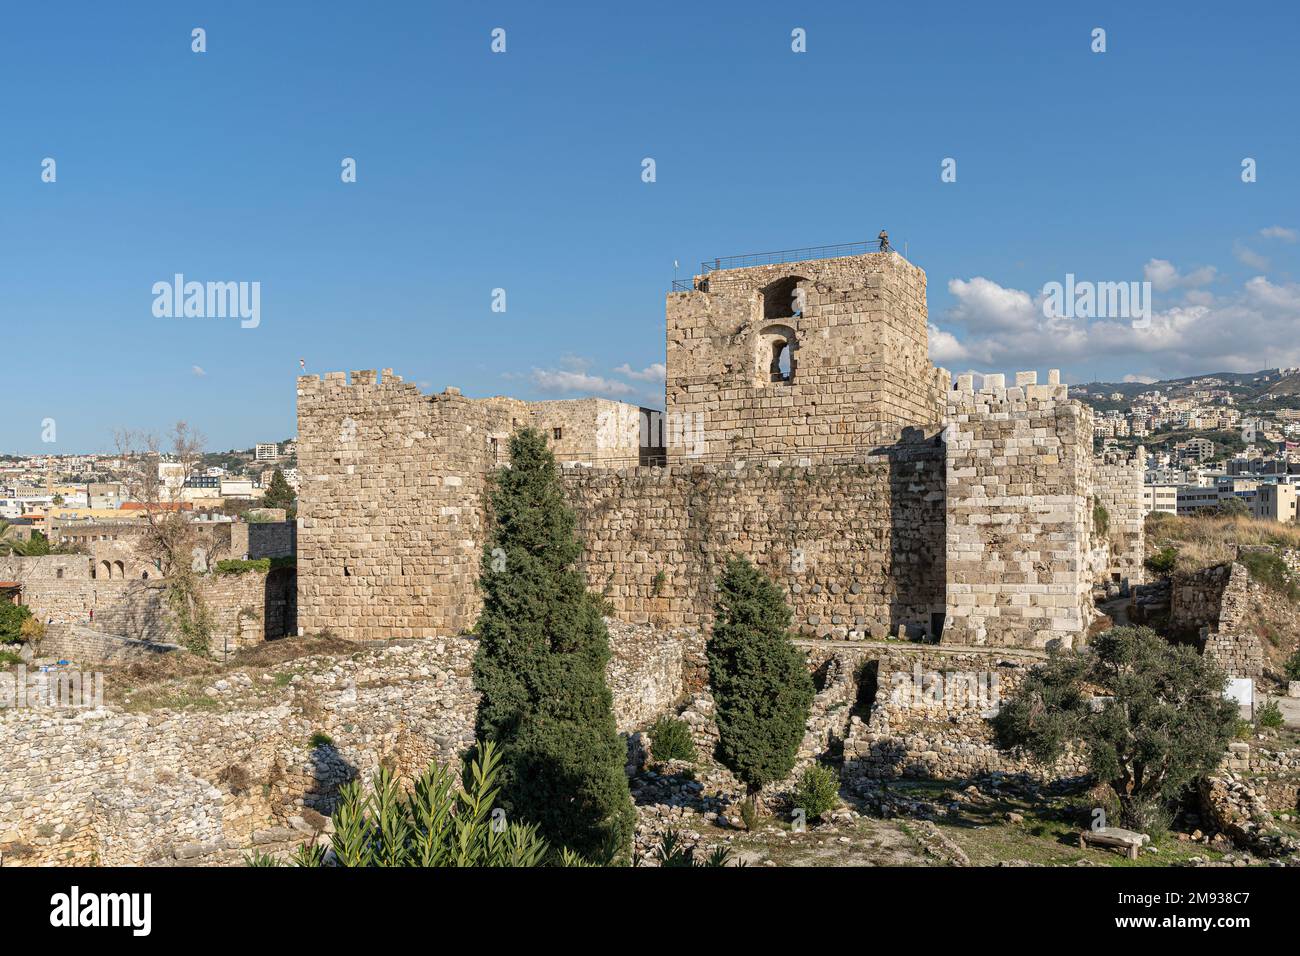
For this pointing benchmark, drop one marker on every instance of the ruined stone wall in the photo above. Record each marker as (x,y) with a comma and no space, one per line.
(203,786)
(239,605)
(1117,487)
(56,587)
(860,360)
(88,646)
(1019,486)
(857,546)
(390,516)
(918,711)
(1213,597)
(1211,605)
(1239,654)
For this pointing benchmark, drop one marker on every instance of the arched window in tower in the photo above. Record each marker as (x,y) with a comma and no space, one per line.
(776,359)
(784,298)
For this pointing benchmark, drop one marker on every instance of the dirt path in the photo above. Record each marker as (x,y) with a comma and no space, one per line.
(865,842)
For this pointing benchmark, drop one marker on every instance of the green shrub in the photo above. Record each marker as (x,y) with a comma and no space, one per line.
(1292,666)
(319,739)
(1151,817)
(1268,568)
(12,618)
(672,851)
(761,686)
(1163,561)
(670,739)
(435,824)
(540,666)
(1269,715)
(9,658)
(242,566)
(1100,520)
(818,791)
(264,565)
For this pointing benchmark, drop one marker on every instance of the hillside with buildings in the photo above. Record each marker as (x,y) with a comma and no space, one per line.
(1218,441)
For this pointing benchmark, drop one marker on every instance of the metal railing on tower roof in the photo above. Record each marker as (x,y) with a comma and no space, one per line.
(753,259)
(792,255)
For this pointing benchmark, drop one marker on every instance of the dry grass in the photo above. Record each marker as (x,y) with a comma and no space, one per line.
(153,682)
(1205,541)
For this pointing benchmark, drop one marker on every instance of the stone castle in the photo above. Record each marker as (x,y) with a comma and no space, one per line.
(804,427)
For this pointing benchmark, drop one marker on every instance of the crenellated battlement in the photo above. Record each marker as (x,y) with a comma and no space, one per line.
(995,393)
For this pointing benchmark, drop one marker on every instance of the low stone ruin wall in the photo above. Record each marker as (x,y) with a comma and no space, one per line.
(930,718)
(85,645)
(1239,655)
(1213,597)
(236,770)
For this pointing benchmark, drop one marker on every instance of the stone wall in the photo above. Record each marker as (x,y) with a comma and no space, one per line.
(1019,487)
(856,545)
(205,785)
(1211,605)
(84,645)
(923,712)
(1213,597)
(391,509)
(246,608)
(1117,487)
(264,539)
(1240,655)
(390,513)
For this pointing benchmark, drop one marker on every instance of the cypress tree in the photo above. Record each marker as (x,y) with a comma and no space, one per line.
(762,690)
(280,495)
(540,666)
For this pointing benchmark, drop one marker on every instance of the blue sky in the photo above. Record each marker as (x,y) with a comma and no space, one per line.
(522,171)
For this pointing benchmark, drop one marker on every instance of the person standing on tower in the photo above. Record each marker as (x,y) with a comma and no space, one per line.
(884,241)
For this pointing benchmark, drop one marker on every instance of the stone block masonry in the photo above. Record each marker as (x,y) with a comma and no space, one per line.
(1018,514)
(1117,487)
(856,545)
(392,505)
(1211,604)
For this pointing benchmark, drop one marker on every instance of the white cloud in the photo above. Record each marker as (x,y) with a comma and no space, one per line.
(983,304)
(1280,232)
(574,363)
(651,373)
(198,371)
(563,381)
(945,349)
(1249,257)
(1246,329)
(1163,275)
(1142,379)
(1283,297)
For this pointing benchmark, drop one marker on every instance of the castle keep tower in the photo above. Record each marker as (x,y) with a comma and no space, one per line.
(806,358)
